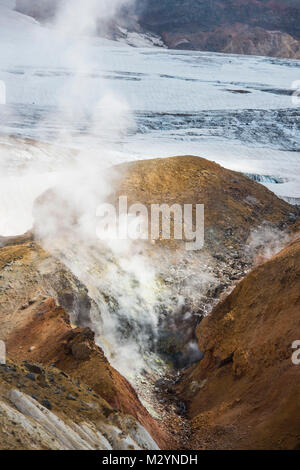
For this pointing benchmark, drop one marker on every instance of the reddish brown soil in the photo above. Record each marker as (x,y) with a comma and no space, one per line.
(46,337)
(245,394)
(233,203)
(36,329)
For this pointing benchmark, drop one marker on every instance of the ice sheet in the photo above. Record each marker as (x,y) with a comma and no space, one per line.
(236,110)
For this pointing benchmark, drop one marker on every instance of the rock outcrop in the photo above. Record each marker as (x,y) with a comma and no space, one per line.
(259,27)
(244,394)
(237,39)
(233,203)
(234,206)
(42,408)
(57,376)
(37,329)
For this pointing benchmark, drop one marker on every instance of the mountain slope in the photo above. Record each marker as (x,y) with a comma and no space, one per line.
(244,394)
(42,301)
(40,298)
(234,207)
(234,204)
(260,27)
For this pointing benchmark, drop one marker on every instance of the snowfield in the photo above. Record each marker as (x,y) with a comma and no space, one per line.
(235,110)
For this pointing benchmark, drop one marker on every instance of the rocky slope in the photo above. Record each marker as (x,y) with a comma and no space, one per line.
(243,221)
(187,283)
(42,408)
(36,329)
(57,307)
(234,204)
(237,39)
(260,27)
(123,27)
(244,394)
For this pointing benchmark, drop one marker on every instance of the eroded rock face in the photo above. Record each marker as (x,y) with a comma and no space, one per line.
(237,39)
(244,394)
(49,317)
(38,330)
(50,410)
(259,27)
(186,284)
(233,204)
(207,14)
(28,275)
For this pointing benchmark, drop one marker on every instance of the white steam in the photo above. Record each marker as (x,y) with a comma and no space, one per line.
(136,292)
(121,280)
(84,17)
(266,241)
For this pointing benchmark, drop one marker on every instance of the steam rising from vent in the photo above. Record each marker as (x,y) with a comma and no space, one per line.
(266,241)
(148,303)
(137,293)
(83,184)
(143,299)
(101,110)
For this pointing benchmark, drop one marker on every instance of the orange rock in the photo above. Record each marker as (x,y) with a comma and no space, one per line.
(251,395)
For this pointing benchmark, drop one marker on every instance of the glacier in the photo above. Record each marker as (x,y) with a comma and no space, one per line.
(236,110)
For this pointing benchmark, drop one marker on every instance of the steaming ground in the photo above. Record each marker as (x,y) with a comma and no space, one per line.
(140,294)
(235,110)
